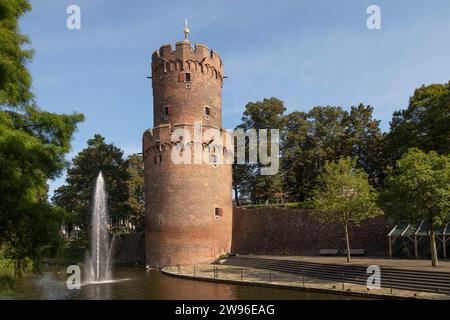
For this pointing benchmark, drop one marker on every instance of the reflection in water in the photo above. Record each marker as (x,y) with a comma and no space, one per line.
(144,285)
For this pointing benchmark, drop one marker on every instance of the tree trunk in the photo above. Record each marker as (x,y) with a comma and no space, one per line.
(347,240)
(434,257)
(18,270)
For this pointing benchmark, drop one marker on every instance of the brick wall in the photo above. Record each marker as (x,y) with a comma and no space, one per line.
(130,249)
(205,68)
(295,232)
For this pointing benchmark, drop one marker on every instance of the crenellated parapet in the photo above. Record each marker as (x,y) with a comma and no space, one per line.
(188,59)
(161,139)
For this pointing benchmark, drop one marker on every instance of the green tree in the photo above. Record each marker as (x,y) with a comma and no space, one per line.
(364,141)
(309,140)
(76,195)
(424,124)
(418,188)
(15,79)
(326,133)
(344,196)
(321,140)
(136,200)
(296,155)
(242,182)
(33,144)
(247,179)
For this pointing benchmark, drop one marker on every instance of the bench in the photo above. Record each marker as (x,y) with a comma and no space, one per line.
(328,252)
(356,252)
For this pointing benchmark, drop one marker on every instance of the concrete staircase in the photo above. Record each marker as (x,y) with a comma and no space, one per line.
(416,280)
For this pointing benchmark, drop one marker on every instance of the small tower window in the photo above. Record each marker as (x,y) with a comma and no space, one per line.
(218,212)
(184,77)
(160,158)
(207,112)
(167,111)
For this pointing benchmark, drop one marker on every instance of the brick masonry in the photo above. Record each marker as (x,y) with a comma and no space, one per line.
(130,249)
(277,231)
(181,199)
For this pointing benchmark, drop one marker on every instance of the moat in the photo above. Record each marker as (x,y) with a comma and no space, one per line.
(50,284)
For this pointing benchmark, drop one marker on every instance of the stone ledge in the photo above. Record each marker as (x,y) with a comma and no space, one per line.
(259,277)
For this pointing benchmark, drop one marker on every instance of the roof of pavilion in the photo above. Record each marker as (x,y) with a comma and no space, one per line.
(420,228)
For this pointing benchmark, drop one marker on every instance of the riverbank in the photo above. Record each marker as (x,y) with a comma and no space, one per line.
(274,279)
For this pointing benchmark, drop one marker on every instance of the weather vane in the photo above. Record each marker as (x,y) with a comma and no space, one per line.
(186,29)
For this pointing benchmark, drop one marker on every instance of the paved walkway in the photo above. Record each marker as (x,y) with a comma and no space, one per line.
(261,277)
(409,264)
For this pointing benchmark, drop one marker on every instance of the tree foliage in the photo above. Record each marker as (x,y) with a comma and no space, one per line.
(136,192)
(344,196)
(32,148)
(325,134)
(247,180)
(418,188)
(424,124)
(15,79)
(33,144)
(76,195)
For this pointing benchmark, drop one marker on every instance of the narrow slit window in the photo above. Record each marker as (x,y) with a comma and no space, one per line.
(207,111)
(168,110)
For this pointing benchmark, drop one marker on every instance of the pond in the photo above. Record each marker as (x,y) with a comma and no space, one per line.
(140,284)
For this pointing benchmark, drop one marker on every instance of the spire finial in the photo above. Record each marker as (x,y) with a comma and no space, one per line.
(186,29)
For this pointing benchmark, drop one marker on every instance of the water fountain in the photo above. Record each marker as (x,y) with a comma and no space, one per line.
(98,259)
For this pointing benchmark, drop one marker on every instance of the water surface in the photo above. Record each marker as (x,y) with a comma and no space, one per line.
(145,285)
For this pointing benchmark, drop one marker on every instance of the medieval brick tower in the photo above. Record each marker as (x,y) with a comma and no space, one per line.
(189,205)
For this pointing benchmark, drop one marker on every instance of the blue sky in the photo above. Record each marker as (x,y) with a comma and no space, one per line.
(305,53)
